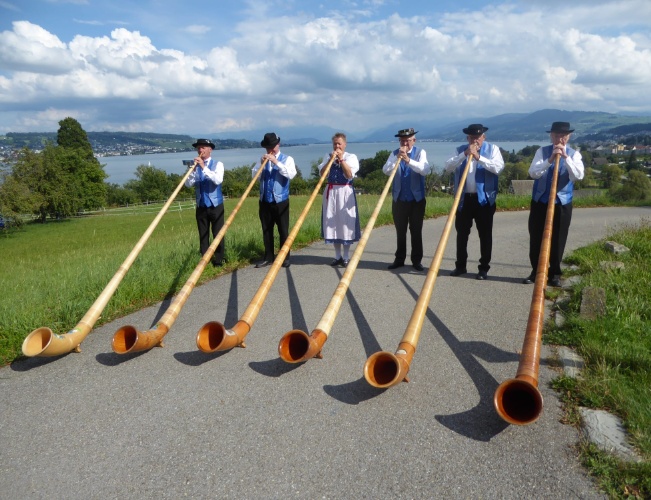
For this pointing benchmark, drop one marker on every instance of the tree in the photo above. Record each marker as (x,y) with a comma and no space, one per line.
(152,184)
(15,199)
(611,176)
(117,195)
(369,165)
(512,171)
(588,179)
(637,187)
(72,136)
(632,161)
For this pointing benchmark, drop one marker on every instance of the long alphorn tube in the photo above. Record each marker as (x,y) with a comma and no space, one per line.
(384,369)
(213,336)
(43,342)
(297,346)
(128,339)
(518,400)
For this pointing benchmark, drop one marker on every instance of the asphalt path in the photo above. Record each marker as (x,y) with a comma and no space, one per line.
(173,421)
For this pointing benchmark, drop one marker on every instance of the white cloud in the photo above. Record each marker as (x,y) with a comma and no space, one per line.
(338,69)
(31,48)
(197,29)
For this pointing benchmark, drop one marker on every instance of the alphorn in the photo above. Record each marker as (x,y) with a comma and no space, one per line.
(384,369)
(213,336)
(297,346)
(128,339)
(43,342)
(518,400)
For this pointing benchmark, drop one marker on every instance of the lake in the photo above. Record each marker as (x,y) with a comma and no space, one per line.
(121,169)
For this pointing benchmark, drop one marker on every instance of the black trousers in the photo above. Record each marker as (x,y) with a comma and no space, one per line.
(273,214)
(560,229)
(210,218)
(409,215)
(483,218)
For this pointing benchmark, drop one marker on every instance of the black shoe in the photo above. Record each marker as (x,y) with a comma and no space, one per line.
(263,263)
(218,263)
(529,280)
(286,263)
(482,275)
(418,267)
(344,263)
(458,272)
(396,265)
(554,281)
(337,262)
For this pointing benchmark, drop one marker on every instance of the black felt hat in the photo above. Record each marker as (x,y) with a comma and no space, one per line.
(561,128)
(475,129)
(203,142)
(270,140)
(406,132)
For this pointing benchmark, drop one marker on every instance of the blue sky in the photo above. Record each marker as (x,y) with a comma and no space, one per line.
(223,67)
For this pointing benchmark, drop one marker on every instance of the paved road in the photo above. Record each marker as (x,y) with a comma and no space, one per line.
(175,422)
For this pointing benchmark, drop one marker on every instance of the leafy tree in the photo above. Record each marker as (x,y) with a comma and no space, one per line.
(369,165)
(117,195)
(299,185)
(64,179)
(588,180)
(174,180)
(636,188)
(16,199)
(72,136)
(512,171)
(632,161)
(611,175)
(314,169)
(152,184)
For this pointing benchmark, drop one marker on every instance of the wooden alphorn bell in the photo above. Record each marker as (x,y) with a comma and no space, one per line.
(518,400)
(384,369)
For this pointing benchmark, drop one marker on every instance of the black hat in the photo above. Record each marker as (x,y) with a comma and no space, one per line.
(561,128)
(203,142)
(270,140)
(475,129)
(406,132)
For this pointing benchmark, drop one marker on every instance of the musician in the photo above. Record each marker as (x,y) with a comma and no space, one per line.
(408,206)
(207,177)
(339,214)
(273,207)
(479,193)
(541,169)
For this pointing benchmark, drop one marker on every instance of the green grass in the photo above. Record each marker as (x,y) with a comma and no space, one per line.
(617,353)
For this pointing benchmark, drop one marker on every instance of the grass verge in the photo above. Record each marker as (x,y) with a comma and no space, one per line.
(616,349)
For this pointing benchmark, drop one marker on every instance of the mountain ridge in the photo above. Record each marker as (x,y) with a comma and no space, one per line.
(588,125)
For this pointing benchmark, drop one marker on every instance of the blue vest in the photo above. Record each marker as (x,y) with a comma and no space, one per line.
(208,193)
(564,186)
(336,175)
(486,181)
(273,186)
(410,183)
